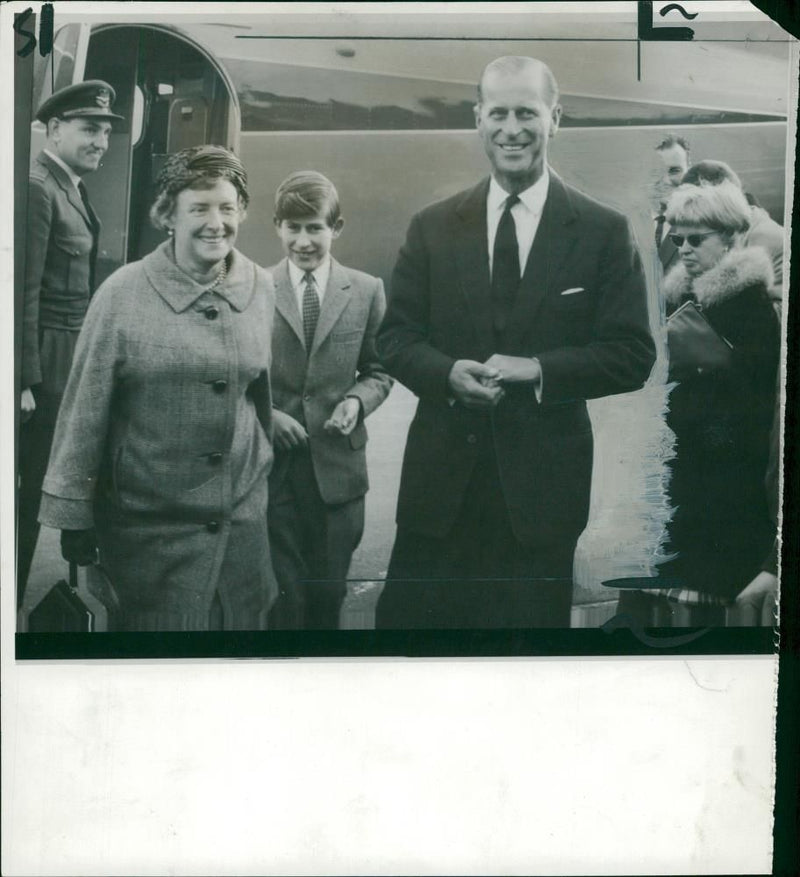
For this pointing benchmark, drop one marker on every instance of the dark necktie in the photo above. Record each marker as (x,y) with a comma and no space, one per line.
(310,309)
(95,226)
(660,220)
(505,267)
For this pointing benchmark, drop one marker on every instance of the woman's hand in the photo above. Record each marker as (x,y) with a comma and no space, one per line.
(27,404)
(288,432)
(755,605)
(79,546)
(344,417)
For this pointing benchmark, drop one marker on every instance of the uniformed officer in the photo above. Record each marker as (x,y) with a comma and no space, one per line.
(61,249)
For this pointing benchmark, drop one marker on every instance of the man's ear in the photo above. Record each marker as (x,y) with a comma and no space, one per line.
(477,111)
(555,117)
(338,226)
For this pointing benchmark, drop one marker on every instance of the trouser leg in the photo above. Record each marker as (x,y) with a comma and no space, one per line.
(35,440)
(343,528)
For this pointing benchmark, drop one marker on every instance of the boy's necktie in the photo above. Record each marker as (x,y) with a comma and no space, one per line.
(310,309)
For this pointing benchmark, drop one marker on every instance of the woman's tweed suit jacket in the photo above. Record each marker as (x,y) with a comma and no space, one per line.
(163,443)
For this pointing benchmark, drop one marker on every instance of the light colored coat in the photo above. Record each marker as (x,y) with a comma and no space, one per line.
(342,362)
(764,232)
(162,443)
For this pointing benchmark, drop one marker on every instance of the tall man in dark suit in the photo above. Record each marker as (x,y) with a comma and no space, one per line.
(61,249)
(511,304)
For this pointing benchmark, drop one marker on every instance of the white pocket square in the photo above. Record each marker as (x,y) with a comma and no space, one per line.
(573,290)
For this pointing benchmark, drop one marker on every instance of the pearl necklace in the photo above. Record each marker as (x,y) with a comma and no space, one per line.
(221,275)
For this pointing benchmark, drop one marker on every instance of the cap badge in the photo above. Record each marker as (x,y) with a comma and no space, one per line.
(103,98)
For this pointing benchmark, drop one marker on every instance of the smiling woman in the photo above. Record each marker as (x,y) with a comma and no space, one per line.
(162,449)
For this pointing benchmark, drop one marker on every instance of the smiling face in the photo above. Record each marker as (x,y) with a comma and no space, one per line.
(706,254)
(205,223)
(307,241)
(515,122)
(80,143)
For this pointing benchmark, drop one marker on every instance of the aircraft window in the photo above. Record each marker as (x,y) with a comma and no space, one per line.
(278,97)
(137,116)
(165,88)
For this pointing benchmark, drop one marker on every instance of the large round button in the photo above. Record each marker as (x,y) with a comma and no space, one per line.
(307,397)
(219,386)
(215,459)
(472,438)
(212,526)
(211,312)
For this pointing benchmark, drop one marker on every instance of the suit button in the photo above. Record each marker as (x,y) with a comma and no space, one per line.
(307,397)
(472,438)
(220,386)
(212,526)
(215,459)
(211,312)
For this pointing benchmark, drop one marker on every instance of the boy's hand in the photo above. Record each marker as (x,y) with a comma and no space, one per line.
(344,417)
(288,433)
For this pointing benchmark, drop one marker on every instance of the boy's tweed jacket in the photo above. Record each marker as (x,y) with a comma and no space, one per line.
(163,443)
(342,362)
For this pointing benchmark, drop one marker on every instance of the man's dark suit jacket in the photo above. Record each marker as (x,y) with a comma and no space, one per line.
(581,310)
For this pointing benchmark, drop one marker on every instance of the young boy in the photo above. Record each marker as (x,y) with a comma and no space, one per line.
(326,379)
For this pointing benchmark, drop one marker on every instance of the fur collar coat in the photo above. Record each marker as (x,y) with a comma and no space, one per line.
(736,271)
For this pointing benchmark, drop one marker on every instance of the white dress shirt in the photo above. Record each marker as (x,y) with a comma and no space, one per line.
(67,169)
(526,215)
(297,277)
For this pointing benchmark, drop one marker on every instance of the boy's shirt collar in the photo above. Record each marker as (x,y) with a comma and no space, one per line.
(297,277)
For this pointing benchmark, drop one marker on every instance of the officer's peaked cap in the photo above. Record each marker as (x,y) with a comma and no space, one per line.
(91,99)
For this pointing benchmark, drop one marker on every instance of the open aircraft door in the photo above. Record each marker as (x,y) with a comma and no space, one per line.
(172,95)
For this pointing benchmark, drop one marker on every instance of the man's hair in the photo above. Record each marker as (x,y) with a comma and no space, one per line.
(673,140)
(510,64)
(712,173)
(307,193)
(722,207)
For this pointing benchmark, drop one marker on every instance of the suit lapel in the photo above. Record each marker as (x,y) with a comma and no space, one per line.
(60,176)
(472,263)
(337,295)
(285,302)
(555,237)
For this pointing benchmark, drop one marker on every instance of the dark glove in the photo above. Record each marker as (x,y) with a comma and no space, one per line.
(79,546)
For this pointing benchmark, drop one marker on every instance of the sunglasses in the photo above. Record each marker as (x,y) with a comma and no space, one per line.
(694,240)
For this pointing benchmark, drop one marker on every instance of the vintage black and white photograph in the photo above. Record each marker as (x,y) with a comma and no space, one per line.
(401,391)
(358,322)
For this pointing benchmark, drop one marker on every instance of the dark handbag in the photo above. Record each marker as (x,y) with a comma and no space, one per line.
(694,344)
(61,610)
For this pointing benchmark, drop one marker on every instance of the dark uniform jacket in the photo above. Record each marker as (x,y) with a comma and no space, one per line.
(60,252)
(581,309)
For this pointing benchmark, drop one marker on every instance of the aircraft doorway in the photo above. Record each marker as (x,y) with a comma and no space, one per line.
(172,96)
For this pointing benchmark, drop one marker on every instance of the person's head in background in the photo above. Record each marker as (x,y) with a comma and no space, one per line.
(673,150)
(712,173)
(307,218)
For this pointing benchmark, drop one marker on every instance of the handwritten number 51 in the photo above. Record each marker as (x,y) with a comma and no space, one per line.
(45,31)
